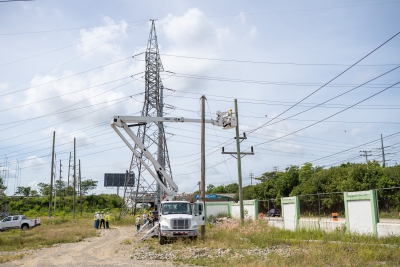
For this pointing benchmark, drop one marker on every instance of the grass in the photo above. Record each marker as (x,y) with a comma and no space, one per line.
(286,248)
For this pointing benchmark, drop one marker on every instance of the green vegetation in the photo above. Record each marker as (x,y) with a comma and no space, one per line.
(285,248)
(308,180)
(39,206)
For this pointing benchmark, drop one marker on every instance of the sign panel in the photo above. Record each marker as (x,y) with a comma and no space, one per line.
(212,196)
(118,179)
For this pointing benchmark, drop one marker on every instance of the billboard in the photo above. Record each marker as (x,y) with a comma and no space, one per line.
(118,179)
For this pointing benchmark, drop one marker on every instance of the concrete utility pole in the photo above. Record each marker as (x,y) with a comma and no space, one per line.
(80,187)
(52,175)
(203,157)
(383,153)
(74,191)
(69,168)
(239,162)
(365,154)
(60,184)
(251,176)
(55,184)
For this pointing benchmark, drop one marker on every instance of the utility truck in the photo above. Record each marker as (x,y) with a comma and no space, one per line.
(18,221)
(175,218)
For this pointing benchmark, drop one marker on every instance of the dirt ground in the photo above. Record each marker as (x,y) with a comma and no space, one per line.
(108,249)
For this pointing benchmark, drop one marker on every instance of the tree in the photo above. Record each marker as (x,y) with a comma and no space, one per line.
(2,186)
(210,188)
(34,193)
(23,191)
(87,185)
(44,189)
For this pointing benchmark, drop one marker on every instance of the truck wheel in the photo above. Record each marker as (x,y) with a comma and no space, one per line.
(193,238)
(161,239)
(24,227)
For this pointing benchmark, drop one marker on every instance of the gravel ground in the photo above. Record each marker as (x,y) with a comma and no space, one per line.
(110,248)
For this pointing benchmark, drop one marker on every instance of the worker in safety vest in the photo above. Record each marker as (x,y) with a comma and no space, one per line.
(102,220)
(107,219)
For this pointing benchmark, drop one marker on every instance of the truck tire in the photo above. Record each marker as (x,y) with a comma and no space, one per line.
(161,239)
(25,227)
(193,238)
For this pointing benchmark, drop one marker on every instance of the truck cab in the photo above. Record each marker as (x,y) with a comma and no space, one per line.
(179,219)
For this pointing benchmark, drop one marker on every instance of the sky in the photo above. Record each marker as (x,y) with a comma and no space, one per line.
(70,66)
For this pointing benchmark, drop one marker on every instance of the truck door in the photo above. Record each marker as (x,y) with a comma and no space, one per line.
(16,222)
(6,223)
(199,213)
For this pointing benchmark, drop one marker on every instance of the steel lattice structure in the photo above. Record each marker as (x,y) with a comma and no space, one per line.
(152,134)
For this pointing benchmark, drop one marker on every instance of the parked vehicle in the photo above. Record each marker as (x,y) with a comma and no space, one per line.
(18,221)
(273,213)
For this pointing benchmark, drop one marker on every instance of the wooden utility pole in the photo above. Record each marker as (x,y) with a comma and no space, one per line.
(80,187)
(74,190)
(203,158)
(52,175)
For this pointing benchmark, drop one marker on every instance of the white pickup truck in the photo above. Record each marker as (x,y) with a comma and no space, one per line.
(18,221)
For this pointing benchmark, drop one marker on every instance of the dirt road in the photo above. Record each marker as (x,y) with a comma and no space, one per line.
(110,248)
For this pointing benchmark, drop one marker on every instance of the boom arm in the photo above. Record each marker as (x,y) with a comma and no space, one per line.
(227,122)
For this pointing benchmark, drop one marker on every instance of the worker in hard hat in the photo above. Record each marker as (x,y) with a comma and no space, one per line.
(137,222)
(144,218)
(102,220)
(107,219)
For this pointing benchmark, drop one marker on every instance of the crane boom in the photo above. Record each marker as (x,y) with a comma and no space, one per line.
(224,119)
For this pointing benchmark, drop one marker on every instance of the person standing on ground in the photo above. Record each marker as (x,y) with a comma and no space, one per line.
(107,219)
(144,218)
(102,221)
(97,220)
(137,222)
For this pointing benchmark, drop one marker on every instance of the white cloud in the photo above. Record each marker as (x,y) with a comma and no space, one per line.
(360,130)
(34,163)
(102,39)
(241,17)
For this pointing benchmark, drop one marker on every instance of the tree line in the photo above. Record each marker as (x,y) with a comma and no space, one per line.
(317,185)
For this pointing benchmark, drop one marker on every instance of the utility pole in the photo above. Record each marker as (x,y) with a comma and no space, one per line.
(383,153)
(74,197)
(60,183)
(238,157)
(55,183)
(52,175)
(80,187)
(239,163)
(69,168)
(203,158)
(251,176)
(199,183)
(365,154)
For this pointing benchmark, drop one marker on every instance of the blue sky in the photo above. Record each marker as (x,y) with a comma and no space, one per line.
(65,67)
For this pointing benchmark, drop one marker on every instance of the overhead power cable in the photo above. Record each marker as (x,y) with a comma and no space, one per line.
(278,63)
(365,99)
(66,62)
(337,76)
(76,28)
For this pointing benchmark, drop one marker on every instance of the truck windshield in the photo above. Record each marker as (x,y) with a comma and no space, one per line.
(176,208)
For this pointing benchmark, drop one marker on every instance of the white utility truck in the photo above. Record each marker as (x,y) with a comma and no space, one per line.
(175,218)
(18,221)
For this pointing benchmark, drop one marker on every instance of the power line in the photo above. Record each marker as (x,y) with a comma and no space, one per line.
(277,63)
(330,82)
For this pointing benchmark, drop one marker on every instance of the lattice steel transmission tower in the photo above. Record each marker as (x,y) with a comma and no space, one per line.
(151,134)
